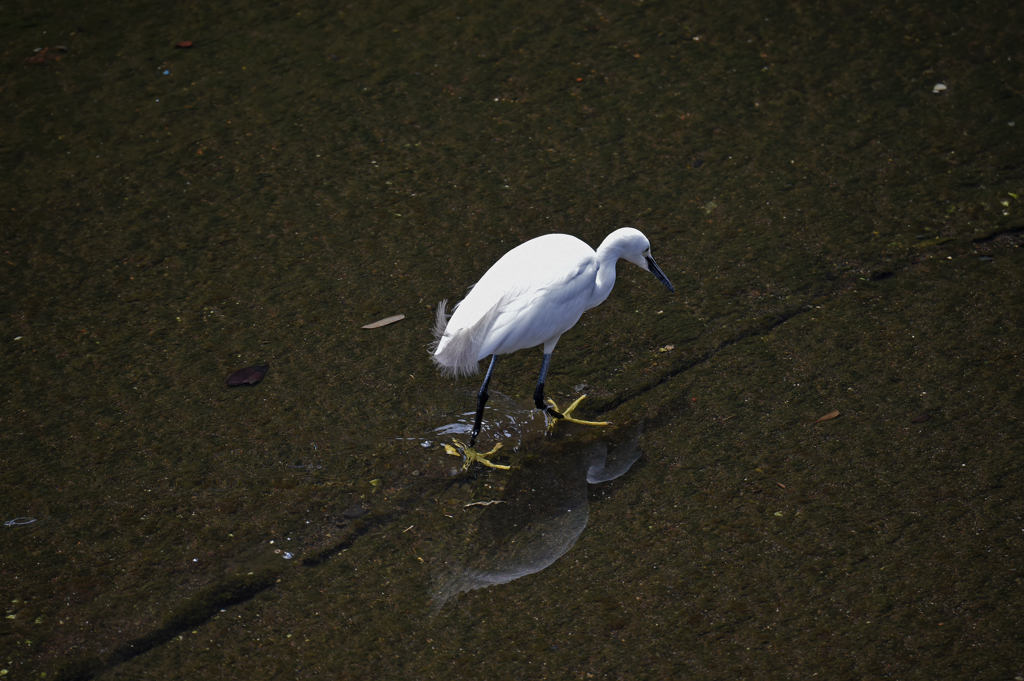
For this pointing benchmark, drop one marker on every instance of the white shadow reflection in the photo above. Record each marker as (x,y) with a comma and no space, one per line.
(541,515)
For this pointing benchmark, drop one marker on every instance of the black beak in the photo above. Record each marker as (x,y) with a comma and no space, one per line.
(653,268)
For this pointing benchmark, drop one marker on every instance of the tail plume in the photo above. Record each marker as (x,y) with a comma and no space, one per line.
(453,355)
(440,324)
(457,353)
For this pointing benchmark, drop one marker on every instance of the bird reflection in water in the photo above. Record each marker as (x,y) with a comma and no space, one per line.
(542,514)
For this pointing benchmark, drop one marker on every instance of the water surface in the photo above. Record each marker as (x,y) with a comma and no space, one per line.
(842,236)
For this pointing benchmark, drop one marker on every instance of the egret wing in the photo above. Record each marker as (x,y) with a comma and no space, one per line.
(541,313)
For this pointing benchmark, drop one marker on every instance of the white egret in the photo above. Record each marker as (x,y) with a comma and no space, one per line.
(530,297)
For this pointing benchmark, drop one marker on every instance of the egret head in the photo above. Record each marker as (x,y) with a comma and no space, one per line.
(634,247)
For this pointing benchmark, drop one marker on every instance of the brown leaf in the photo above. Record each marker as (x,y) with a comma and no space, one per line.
(829,416)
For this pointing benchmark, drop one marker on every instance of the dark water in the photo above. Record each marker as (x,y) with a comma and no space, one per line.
(841,235)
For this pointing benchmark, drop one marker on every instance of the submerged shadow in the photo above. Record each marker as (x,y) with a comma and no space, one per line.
(542,514)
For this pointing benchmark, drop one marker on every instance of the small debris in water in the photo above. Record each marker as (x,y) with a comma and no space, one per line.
(829,416)
(485,503)
(920,418)
(248,376)
(44,55)
(385,321)
(938,87)
(355,511)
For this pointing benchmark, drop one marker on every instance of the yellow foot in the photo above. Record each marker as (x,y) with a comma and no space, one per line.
(566,415)
(473,456)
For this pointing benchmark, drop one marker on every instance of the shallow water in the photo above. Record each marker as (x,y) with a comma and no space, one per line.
(841,237)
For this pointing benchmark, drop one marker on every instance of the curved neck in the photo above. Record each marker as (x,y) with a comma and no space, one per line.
(607,256)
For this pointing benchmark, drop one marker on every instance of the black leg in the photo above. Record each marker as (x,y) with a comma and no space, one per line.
(481,400)
(538,394)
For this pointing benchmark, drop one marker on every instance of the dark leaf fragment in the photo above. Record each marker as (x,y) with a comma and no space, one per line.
(248,376)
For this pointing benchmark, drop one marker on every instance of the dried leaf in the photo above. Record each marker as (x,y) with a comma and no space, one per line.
(829,416)
(385,321)
(248,376)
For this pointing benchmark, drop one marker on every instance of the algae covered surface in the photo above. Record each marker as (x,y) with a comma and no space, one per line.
(188,190)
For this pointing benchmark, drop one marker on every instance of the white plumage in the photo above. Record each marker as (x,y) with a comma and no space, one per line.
(530,297)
